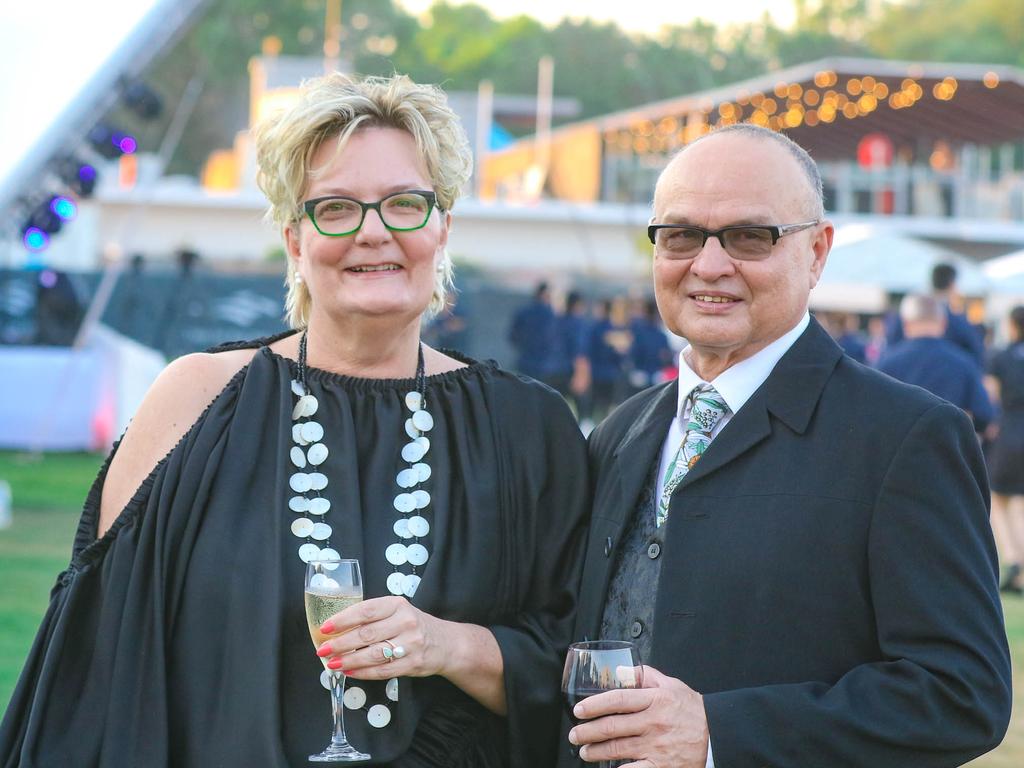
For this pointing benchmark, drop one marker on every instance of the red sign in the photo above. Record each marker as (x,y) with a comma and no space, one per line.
(875,150)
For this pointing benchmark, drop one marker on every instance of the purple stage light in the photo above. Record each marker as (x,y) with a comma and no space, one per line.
(127,144)
(47,278)
(86,173)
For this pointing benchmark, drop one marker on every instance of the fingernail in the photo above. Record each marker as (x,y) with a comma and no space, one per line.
(572,737)
(334,664)
(577,711)
(583,752)
(327,627)
(324,650)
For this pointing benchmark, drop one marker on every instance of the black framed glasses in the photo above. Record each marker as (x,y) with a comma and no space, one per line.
(336,216)
(746,242)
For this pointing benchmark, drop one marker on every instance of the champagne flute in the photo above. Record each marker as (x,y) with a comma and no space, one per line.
(597,666)
(332,585)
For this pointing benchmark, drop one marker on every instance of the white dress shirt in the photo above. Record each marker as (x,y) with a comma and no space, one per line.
(735,384)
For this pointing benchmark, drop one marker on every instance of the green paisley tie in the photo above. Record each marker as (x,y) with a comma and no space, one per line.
(708,409)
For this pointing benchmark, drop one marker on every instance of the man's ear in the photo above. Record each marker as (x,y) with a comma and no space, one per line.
(820,247)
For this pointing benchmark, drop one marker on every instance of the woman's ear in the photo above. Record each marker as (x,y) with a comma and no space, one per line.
(291,246)
(446,225)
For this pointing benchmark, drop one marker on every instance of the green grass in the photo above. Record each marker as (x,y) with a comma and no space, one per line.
(1010,753)
(32,552)
(48,495)
(49,481)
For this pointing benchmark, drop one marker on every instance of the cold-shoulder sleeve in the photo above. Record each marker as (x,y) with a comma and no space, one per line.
(546,499)
(95,674)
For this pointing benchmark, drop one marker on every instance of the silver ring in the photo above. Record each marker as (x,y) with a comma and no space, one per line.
(398,652)
(388,651)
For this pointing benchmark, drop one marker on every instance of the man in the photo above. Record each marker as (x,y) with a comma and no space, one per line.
(570,366)
(927,359)
(845,329)
(818,585)
(532,333)
(959,329)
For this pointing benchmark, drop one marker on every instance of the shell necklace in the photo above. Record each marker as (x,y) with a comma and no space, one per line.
(411,502)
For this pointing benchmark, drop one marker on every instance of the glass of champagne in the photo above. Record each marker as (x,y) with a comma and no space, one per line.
(597,666)
(331,586)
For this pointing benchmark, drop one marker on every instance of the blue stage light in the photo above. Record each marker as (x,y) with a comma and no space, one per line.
(64,207)
(35,239)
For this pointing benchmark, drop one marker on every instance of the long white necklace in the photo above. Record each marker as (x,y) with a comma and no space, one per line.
(309,453)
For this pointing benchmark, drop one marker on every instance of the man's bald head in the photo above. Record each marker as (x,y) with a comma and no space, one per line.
(815,203)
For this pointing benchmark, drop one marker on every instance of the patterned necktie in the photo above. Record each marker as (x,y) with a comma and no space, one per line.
(708,409)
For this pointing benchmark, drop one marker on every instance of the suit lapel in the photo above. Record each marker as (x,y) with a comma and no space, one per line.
(787,399)
(789,394)
(641,448)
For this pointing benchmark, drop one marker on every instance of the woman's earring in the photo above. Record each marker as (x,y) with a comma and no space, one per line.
(298,279)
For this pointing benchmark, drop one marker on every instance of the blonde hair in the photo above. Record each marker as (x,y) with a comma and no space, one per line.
(336,106)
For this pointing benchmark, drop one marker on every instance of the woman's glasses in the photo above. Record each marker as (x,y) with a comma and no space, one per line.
(336,216)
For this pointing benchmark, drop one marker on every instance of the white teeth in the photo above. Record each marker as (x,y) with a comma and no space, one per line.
(714,299)
(381,268)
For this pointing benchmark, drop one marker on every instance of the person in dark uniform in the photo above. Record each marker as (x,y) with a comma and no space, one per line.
(610,342)
(650,352)
(569,367)
(959,329)
(927,359)
(532,333)
(843,327)
(1006,464)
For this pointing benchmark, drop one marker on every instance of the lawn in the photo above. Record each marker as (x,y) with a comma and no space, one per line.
(48,494)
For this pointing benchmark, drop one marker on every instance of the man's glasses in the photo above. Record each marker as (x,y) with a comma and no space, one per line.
(741,241)
(336,216)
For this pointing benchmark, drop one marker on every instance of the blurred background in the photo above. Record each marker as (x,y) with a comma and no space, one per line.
(132,231)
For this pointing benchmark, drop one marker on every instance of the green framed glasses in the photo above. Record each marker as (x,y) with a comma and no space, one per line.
(336,216)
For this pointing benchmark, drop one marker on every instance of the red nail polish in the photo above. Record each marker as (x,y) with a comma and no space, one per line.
(324,650)
(327,627)
(334,664)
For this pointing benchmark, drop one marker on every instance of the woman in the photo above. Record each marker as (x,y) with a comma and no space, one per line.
(177,637)
(1006,458)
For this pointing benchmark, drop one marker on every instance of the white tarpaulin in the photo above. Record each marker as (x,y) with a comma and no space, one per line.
(867,263)
(65,399)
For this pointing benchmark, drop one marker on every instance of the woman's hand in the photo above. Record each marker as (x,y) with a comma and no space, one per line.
(387,637)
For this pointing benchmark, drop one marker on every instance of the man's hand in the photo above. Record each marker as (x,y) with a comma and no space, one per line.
(661,725)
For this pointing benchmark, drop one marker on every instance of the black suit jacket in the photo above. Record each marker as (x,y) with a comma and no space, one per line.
(829,581)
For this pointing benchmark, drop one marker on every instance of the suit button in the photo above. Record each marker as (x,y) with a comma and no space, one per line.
(637,629)
(654,550)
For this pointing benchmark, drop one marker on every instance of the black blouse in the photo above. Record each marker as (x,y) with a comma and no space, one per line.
(179,639)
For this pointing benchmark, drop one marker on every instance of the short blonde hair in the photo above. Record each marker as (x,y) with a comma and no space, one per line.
(336,106)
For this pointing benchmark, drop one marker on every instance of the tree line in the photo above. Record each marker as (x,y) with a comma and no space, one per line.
(598,63)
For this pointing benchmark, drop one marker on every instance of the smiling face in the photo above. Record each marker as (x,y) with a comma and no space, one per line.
(729,309)
(375,271)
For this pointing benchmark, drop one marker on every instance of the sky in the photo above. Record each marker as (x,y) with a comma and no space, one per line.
(49,49)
